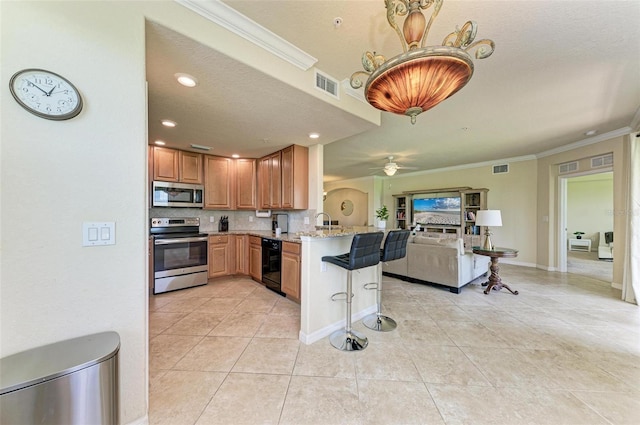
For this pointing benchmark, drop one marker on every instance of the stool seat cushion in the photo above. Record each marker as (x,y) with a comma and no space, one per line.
(365,252)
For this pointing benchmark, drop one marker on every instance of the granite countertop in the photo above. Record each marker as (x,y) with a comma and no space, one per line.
(295,237)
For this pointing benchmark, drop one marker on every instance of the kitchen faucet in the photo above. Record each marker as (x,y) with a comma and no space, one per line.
(328,216)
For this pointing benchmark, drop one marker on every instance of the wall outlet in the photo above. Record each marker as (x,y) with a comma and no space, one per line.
(323,267)
(306,220)
(250,218)
(211,219)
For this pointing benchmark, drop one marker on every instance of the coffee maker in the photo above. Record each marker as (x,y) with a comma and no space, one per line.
(280,221)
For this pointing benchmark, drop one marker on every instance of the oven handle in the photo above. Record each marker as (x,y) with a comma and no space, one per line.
(180,240)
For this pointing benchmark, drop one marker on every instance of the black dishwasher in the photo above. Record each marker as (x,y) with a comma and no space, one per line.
(272,264)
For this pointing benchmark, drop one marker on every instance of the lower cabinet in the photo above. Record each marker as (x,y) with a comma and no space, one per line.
(242,254)
(220,255)
(291,269)
(255,258)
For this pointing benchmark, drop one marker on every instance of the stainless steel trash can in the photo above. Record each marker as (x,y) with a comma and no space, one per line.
(68,382)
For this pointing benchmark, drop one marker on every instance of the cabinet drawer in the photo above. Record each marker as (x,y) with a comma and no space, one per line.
(255,240)
(291,247)
(218,238)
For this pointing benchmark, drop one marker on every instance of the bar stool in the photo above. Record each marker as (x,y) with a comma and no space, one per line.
(365,252)
(395,247)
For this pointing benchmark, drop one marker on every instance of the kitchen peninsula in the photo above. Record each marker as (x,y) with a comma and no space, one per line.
(319,315)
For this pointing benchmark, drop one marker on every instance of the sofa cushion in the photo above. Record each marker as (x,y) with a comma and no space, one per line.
(446,242)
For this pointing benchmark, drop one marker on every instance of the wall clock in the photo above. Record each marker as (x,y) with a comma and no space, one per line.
(46,94)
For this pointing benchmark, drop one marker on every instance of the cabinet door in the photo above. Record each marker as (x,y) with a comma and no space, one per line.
(246,184)
(165,164)
(219,256)
(190,167)
(270,182)
(255,261)
(218,190)
(241,254)
(295,177)
(290,271)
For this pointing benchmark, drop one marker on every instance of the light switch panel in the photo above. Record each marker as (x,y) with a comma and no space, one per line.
(98,233)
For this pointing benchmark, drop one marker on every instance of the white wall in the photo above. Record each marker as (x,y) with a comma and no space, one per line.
(55,175)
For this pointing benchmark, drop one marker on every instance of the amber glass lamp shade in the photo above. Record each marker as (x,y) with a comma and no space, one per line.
(418,80)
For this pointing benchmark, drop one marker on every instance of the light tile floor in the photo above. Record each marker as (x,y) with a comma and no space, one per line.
(566,350)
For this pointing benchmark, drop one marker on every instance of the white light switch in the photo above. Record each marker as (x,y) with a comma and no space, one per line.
(98,233)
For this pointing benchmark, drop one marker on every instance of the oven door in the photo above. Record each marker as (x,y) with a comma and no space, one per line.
(179,262)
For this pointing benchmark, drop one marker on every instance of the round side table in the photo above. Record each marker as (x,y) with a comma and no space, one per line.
(495,282)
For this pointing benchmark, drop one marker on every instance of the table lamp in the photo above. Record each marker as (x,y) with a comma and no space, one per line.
(488,218)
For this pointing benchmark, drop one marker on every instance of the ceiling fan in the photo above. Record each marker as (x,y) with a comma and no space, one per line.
(391,167)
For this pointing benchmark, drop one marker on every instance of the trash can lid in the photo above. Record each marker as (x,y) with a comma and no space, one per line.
(44,363)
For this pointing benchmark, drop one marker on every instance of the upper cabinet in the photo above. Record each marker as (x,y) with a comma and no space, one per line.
(295,178)
(270,181)
(246,184)
(218,187)
(172,165)
(283,179)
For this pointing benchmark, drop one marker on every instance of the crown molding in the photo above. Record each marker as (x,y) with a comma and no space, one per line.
(237,23)
(586,142)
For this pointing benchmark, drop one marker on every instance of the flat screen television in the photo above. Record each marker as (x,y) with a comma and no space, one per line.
(443,211)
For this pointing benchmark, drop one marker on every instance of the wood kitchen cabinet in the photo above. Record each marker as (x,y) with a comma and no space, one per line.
(246,184)
(220,255)
(172,165)
(255,258)
(295,177)
(270,181)
(218,179)
(290,277)
(241,254)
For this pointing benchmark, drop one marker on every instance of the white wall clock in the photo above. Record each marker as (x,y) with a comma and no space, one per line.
(46,94)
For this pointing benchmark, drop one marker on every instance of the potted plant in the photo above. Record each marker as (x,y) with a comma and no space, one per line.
(578,234)
(382,214)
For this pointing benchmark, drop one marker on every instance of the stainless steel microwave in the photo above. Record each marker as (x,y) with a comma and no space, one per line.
(182,195)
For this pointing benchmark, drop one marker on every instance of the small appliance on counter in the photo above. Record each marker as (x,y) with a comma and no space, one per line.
(223,224)
(280,221)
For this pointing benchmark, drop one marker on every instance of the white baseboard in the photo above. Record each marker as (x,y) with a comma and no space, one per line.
(140,421)
(329,329)
(616,285)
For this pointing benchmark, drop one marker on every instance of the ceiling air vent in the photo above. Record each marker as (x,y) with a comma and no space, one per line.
(602,161)
(327,84)
(501,169)
(568,167)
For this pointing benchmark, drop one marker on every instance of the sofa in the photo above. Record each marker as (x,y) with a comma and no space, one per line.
(440,261)
(605,246)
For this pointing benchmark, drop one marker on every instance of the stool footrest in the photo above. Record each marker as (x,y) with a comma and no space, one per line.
(371,285)
(335,296)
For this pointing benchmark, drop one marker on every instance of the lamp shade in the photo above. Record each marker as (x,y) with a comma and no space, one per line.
(489,218)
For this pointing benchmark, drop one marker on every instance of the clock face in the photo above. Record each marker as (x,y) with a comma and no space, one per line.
(46,94)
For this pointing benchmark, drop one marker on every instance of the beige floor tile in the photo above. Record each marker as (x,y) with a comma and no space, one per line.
(268,355)
(392,402)
(239,324)
(196,324)
(160,322)
(449,313)
(321,401)
(219,305)
(247,399)
(425,332)
(179,397)
(166,350)
(386,361)
(617,408)
(277,326)
(214,354)
(255,305)
(182,305)
(471,334)
(286,307)
(322,359)
(441,364)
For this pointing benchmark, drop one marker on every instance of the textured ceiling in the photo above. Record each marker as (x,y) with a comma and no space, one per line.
(560,68)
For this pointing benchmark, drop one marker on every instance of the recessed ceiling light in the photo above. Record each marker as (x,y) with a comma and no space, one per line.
(186,79)
(168,123)
(313,135)
(235,155)
(159,143)
(590,132)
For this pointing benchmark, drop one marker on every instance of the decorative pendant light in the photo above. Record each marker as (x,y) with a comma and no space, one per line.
(420,77)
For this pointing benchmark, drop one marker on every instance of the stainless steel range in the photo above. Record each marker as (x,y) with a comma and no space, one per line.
(179,254)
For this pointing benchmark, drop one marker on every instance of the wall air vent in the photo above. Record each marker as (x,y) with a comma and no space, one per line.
(501,169)
(568,167)
(602,161)
(327,84)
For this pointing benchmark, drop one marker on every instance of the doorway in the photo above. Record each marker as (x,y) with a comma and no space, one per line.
(585,214)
